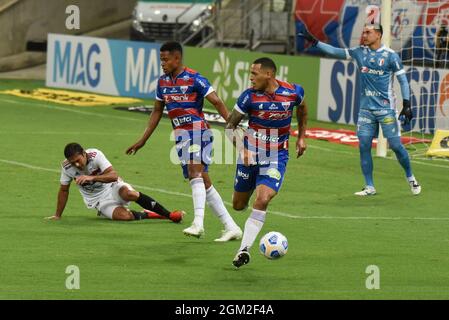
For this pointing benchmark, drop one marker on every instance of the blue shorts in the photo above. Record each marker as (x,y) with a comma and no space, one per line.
(196,147)
(369,120)
(247,178)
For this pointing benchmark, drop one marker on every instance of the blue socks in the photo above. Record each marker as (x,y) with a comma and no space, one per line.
(401,155)
(366,161)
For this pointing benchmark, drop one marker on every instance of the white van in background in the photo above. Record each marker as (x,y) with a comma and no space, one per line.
(165,20)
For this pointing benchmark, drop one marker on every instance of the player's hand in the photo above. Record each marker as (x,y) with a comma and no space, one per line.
(301,147)
(84,180)
(248,157)
(406,112)
(134,148)
(55,217)
(308,36)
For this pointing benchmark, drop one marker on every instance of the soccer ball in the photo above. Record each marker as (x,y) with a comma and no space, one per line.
(273,245)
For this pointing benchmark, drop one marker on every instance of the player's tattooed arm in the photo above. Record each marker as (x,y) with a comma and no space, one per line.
(63,196)
(301,114)
(155,117)
(218,104)
(234,120)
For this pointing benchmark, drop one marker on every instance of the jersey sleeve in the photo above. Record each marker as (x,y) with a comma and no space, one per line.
(353,53)
(243,103)
(101,161)
(396,64)
(159,95)
(299,94)
(202,86)
(65,178)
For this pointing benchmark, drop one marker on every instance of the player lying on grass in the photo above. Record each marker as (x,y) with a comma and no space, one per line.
(103,190)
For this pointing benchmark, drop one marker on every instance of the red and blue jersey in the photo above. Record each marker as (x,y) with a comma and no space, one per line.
(184,97)
(270,115)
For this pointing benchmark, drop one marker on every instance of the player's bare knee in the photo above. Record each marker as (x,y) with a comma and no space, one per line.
(122,214)
(239,206)
(128,195)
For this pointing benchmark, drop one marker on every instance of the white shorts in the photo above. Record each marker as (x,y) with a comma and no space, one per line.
(111,199)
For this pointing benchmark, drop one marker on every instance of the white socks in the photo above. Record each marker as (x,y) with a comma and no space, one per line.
(215,202)
(253,226)
(199,200)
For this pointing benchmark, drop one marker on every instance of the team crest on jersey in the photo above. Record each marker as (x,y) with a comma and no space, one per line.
(184,89)
(286,105)
(381,62)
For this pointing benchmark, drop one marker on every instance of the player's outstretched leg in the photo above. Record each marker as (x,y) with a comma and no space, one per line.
(215,202)
(199,202)
(150,204)
(254,224)
(404,160)
(366,163)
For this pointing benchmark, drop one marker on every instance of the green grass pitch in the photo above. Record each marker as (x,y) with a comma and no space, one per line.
(333,235)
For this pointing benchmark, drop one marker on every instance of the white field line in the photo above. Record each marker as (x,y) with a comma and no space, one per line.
(278,213)
(75,110)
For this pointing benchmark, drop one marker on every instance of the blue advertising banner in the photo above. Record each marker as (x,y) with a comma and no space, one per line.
(114,67)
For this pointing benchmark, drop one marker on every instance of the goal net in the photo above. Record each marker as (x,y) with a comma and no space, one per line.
(419,33)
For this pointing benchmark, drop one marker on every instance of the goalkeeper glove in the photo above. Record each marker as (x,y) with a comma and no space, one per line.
(308,36)
(406,112)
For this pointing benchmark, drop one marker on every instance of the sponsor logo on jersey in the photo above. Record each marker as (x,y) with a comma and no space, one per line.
(286,105)
(265,137)
(201,82)
(244,176)
(194,148)
(389,120)
(182,120)
(372,71)
(183,97)
(274,173)
(370,93)
(261,106)
(364,120)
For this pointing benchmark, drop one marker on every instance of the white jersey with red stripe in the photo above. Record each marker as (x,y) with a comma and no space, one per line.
(97,163)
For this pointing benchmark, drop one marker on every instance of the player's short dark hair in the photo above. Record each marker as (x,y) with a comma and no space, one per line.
(72,149)
(266,63)
(380,29)
(171,46)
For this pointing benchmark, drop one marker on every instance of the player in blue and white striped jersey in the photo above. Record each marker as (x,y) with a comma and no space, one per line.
(377,67)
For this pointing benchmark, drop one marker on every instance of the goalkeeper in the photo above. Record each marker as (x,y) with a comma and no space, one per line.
(377,64)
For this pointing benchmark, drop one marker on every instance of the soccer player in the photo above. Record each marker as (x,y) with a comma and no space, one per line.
(182,91)
(376,64)
(102,189)
(263,154)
